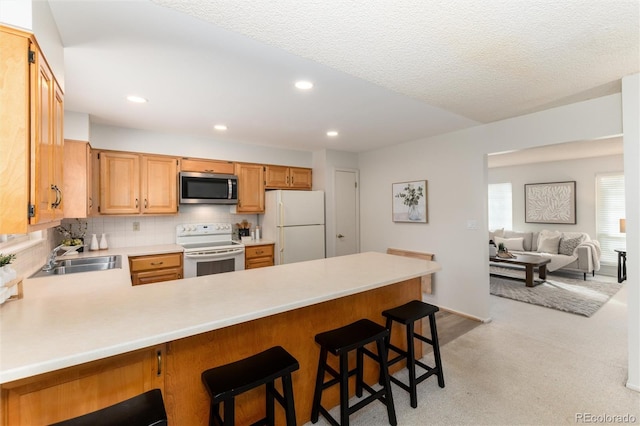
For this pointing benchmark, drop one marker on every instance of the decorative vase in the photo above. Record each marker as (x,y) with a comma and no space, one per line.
(103,242)
(414,213)
(94,243)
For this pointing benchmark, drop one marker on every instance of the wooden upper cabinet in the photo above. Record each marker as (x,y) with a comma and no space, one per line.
(282,177)
(78,179)
(206,166)
(119,183)
(30,136)
(300,178)
(250,188)
(47,113)
(58,147)
(132,184)
(159,184)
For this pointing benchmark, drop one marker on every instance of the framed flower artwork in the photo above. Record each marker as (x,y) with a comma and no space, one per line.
(409,201)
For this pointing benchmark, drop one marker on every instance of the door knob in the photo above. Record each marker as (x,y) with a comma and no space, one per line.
(340,236)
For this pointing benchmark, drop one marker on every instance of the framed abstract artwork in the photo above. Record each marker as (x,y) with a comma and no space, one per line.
(553,202)
(409,201)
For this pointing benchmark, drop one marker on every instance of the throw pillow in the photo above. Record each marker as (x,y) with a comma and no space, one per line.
(546,233)
(496,233)
(568,245)
(515,244)
(526,236)
(548,245)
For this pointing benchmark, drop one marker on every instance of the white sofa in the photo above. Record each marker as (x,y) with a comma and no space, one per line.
(568,251)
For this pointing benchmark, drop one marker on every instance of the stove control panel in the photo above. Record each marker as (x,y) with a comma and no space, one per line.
(191,229)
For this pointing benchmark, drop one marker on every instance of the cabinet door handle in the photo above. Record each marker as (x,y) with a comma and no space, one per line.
(259,252)
(159,355)
(58,200)
(60,194)
(156,263)
(90,202)
(136,203)
(145,203)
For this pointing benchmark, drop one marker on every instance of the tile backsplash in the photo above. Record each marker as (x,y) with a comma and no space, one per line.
(119,232)
(152,230)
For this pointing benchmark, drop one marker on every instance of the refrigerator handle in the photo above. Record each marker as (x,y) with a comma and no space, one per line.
(281,213)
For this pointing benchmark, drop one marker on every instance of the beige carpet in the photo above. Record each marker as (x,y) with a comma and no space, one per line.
(529,366)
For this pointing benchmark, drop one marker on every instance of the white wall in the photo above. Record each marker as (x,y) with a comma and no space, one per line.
(583,171)
(123,139)
(631,141)
(16,13)
(325,163)
(76,126)
(35,17)
(455,166)
(46,32)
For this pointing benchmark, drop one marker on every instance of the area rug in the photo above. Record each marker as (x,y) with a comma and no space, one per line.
(564,294)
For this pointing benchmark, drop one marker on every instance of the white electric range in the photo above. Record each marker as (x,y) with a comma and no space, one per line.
(209,249)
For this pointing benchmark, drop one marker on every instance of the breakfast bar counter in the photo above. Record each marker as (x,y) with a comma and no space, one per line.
(194,324)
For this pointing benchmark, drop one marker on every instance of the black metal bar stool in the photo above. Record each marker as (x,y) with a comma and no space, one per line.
(408,314)
(226,381)
(146,409)
(340,342)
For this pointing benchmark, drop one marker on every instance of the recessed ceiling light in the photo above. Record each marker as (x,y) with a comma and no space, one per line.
(137,99)
(304,85)
(220,127)
(332,133)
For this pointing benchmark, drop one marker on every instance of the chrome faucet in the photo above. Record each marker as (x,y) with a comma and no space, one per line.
(51,258)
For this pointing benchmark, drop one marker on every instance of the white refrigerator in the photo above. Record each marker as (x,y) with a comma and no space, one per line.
(295,221)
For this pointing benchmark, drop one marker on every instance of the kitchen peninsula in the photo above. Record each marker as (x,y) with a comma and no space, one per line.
(180,328)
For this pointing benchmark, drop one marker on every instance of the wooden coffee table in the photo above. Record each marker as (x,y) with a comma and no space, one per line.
(529,262)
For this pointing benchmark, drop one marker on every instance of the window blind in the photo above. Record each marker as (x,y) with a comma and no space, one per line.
(610,208)
(500,206)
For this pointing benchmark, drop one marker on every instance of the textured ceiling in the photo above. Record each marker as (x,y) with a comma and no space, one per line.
(384,72)
(484,59)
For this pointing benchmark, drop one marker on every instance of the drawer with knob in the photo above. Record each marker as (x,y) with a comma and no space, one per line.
(155,268)
(258,256)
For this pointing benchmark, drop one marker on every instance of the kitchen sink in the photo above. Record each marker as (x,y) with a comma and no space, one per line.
(85,264)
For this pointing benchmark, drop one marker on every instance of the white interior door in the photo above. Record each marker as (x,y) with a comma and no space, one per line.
(346,210)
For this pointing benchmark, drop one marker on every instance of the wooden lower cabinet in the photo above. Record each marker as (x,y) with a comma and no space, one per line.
(176,367)
(155,268)
(258,256)
(74,391)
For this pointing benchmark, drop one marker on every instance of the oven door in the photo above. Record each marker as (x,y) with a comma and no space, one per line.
(200,263)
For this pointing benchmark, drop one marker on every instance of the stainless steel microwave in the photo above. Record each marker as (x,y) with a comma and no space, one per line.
(208,188)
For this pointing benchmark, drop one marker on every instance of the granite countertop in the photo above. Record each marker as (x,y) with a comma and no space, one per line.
(72,319)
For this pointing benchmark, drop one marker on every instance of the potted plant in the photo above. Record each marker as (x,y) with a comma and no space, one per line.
(7,273)
(502,248)
(73,234)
